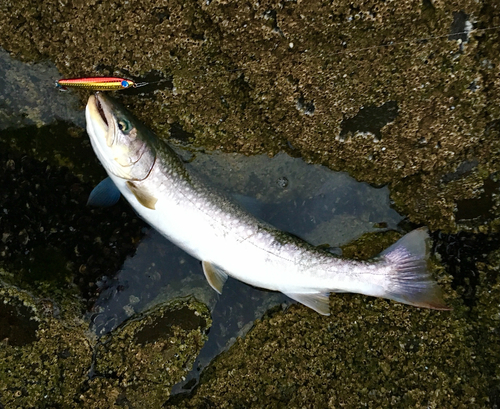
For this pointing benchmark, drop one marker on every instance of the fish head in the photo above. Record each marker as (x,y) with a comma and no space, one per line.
(122,144)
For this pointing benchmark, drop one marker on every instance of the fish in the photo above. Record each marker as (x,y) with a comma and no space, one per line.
(229,241)
(98,83)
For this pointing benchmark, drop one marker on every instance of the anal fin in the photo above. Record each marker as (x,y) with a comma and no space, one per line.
(319,302)
(215,276)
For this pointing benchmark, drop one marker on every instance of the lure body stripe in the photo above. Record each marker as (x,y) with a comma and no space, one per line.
(97,83)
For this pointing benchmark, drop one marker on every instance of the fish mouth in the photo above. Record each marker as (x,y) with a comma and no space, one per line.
(100,114)
(100,109)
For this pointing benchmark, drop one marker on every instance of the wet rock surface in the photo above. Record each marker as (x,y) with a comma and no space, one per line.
(50,236)
(48,369)
(18,325)
(145,357)
(385,356)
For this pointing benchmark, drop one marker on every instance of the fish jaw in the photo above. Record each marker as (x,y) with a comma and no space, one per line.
(120,144)
(100,128)
(98,117)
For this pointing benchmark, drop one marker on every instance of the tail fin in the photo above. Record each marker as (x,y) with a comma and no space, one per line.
(411,282)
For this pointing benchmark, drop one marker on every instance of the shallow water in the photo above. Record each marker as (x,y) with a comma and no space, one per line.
(28,95)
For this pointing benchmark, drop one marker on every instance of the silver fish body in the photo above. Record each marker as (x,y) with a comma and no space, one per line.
(231,242)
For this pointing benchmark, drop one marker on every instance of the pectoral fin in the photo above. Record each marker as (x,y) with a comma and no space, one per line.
(142,195)
(105,194)
(319,302)
(215,276)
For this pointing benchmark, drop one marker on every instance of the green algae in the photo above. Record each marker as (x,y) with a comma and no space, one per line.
(58,363)
(269,76)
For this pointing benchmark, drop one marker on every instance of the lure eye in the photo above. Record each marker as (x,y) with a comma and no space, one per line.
(124,125)
(125,84)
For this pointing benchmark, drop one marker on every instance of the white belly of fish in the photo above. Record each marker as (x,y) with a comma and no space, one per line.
(243,247)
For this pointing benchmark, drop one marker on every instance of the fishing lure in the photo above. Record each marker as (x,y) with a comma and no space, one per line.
(99,83)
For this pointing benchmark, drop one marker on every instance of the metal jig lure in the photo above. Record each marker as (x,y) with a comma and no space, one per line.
(98,83)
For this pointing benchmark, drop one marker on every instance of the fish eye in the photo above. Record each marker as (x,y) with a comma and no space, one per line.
(124,125)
